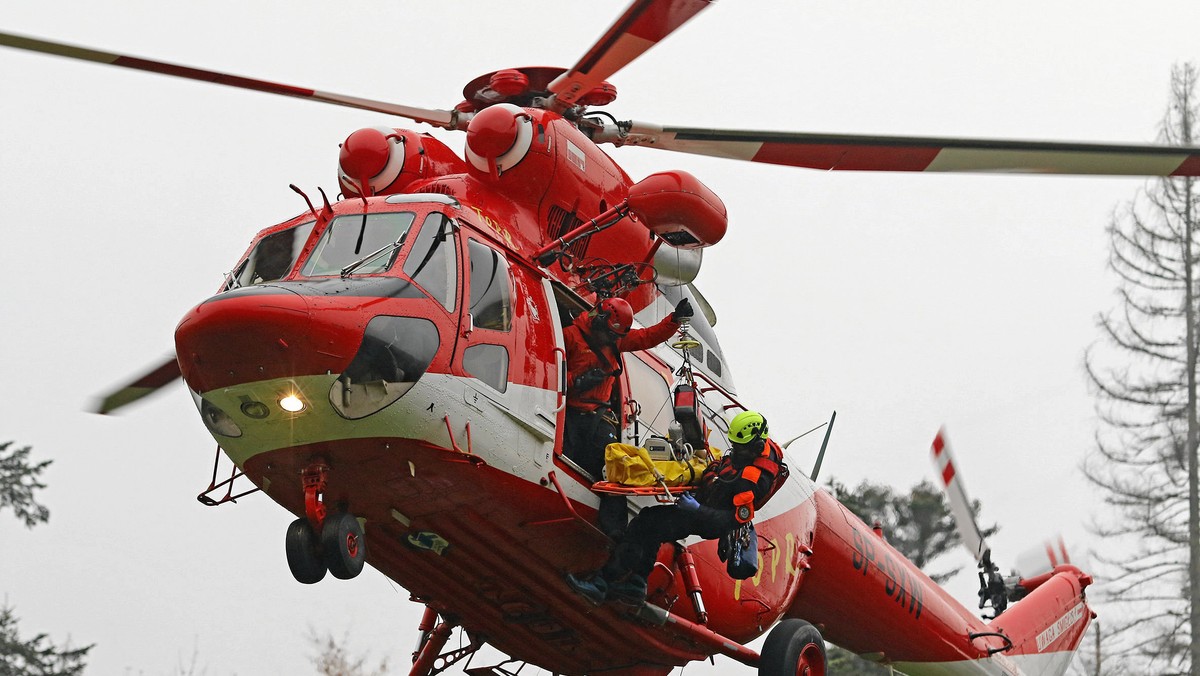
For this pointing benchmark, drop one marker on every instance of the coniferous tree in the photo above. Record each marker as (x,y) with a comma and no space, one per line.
(917,523)
(35,656)
(19,479)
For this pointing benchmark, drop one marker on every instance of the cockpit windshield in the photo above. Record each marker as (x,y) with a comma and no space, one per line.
(350,242)
(272,258)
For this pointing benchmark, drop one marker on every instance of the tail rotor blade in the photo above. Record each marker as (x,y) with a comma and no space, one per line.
(960,505)
(1046,557)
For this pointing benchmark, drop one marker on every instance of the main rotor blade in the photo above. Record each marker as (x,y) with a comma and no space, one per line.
(960,506)
(845,152)
(642,26)
(160,376)
(438,118)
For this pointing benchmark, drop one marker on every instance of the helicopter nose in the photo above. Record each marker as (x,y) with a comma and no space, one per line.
(258,333)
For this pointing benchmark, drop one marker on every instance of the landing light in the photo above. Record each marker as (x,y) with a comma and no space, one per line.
(255,409)
(291,403)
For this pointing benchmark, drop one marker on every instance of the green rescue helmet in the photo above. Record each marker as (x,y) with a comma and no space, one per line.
(747,427)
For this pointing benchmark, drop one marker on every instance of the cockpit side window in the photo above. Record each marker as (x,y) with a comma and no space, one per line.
(272,258)
(432,262)
(368,242)
(491,299)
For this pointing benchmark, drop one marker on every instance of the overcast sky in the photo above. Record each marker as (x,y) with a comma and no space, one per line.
(904,302)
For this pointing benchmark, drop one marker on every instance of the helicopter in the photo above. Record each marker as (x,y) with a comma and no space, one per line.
(479,228)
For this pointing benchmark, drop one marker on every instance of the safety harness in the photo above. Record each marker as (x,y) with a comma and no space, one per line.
(604,358)
(770,461)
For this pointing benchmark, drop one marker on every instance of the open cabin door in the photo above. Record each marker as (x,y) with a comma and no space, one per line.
(641,397)
(567,306)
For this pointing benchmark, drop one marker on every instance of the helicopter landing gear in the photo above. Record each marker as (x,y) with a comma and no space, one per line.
(793,648)
(343,545)
(304,553)
(340,549)
(323,541)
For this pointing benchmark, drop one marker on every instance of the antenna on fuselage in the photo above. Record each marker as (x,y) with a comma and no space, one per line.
(327,211)
(295,188)
(824,444)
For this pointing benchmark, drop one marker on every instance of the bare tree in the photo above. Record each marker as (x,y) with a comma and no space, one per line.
(1144,377)
(333,658)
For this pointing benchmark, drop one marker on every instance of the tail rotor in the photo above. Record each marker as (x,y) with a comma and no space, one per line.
(1034,566)
(995,590)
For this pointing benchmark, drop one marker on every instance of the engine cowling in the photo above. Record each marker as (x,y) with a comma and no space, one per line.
(381,161)
(498,138)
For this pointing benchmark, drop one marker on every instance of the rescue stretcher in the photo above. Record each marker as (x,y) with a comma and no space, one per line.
(634,471)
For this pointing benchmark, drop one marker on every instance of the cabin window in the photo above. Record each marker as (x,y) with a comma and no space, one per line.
(368,242)
(272,258)
(650,390)
(716,421)
(709,358)
(714,364)
(491,297)
(432,262)
(488,363)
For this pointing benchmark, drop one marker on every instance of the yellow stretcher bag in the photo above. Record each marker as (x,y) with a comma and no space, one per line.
(632,466)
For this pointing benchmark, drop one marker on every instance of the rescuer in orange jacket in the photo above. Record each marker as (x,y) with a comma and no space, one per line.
(594,343)
(729,492)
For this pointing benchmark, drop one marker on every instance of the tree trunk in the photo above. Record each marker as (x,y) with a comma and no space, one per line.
(1193,427)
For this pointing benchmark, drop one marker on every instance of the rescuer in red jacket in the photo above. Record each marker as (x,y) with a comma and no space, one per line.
(594,343)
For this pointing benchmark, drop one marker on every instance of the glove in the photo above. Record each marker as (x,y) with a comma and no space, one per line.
(684,309)
(687,503)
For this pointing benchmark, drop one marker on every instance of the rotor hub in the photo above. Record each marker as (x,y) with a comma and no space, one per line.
(524,87)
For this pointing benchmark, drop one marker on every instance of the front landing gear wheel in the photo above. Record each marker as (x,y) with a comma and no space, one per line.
(304,553)
(793,648)
(344,546)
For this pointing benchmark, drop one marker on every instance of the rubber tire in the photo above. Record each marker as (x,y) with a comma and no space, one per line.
(304,553)
(793,648)
(343,545)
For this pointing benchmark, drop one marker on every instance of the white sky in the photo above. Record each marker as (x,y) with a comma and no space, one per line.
(902,301)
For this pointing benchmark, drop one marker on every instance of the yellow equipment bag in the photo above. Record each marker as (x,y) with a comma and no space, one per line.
(632,466)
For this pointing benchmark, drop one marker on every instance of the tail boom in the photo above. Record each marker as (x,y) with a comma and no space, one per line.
(1047,626)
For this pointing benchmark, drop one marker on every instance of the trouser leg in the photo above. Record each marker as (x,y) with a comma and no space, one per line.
(584,439)
(614,515)
(652,527)
(576,429)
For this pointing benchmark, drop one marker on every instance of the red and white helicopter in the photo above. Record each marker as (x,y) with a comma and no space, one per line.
(379,363)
